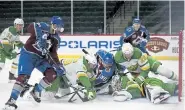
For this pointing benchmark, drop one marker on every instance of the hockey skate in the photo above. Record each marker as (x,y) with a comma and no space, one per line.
(26,88)
(11,77)
(10,105)
(35,95)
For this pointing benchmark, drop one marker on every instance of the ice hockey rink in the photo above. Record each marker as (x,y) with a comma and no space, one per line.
(101,103)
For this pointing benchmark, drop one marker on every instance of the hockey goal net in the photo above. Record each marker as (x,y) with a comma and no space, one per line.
(181,62)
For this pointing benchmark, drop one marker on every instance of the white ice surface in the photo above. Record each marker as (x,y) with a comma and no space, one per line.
(101,103)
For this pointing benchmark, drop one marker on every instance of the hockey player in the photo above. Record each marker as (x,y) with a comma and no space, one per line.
(9,45)
(94,72)
(137,35)
(97,76)
(137,62)
(40,51)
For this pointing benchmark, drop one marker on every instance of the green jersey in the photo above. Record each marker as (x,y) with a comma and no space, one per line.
(9,40)
(139,62)
(131,65)
(10,35)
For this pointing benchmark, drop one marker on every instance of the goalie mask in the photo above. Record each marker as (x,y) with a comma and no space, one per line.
(127,50)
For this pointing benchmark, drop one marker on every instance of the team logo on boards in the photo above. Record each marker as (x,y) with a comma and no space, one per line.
(157,44)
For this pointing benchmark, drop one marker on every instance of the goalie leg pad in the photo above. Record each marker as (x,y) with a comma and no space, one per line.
(116,83)
(132,91)
(156,94)
(167,73)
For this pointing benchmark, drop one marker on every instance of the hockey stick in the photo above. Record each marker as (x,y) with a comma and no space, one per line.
(85,51)
(80,90)
(76,90)
(74,93)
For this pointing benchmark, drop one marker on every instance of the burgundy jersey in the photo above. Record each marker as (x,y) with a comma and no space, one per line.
(53,41)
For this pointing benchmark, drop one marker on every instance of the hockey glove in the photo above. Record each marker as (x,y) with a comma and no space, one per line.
(143,43)
(19,44)
(59,68)
(90,94)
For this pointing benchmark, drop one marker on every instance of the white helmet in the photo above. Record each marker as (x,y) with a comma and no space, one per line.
(91,60)
(127,50)
(18,21)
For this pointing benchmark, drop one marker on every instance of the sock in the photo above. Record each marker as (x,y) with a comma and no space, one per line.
(42,85)
(17,89)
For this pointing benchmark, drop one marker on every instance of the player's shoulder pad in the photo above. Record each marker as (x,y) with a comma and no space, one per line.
(128,31)
(137,53)
(31,29)
(12,30)
(143,28)
(117,56)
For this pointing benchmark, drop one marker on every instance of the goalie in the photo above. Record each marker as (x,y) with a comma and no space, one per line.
(131,83)
(9,46)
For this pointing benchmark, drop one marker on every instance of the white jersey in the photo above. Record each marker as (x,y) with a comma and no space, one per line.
(72,66)
(9,35)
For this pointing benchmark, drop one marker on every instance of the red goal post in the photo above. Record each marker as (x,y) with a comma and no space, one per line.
(181,75)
